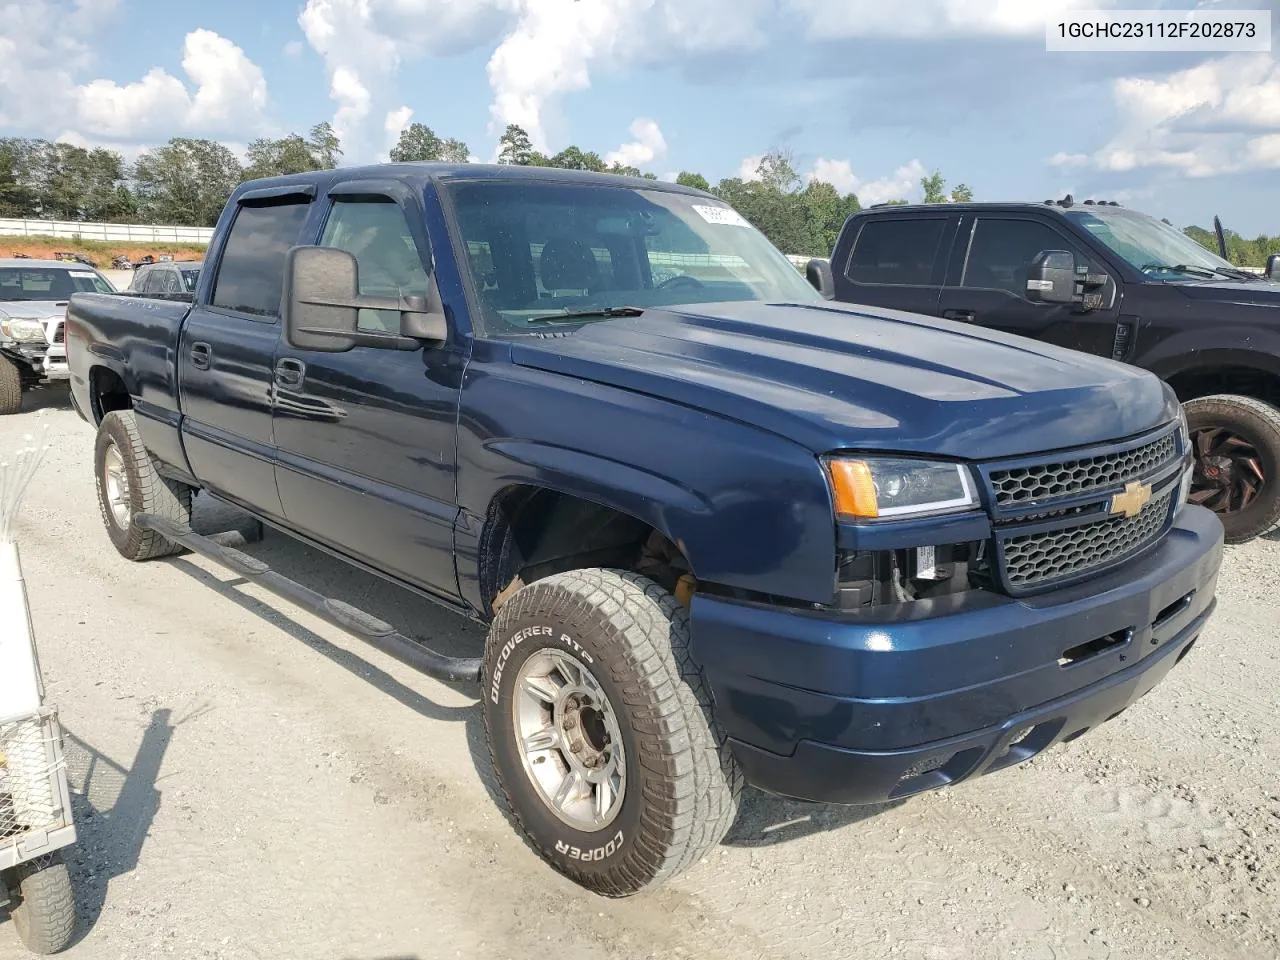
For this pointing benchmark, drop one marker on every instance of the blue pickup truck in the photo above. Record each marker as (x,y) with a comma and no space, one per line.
(722,531)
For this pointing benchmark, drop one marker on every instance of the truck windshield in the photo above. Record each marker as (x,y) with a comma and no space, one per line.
(541,249)
(1149,244)
(53,283)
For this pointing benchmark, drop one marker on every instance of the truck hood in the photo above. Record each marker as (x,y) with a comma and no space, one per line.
(33,309)
(1263,293)
(836,376)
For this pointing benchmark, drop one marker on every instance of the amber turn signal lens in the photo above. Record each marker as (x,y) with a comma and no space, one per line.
(853,489)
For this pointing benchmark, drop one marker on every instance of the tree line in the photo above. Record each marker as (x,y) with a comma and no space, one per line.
(187,181)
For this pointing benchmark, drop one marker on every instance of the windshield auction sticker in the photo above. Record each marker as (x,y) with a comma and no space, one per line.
(720,215)
(1127,31)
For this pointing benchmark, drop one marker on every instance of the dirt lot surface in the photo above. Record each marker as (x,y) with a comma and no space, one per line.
(251,783)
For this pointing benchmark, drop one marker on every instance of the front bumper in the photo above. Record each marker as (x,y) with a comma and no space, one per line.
(47,361)
(850,711)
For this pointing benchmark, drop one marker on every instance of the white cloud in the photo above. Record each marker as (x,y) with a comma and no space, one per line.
(927,19)
(1200,121)
(902,184)
(749,169)
(543,49)
(293,49)
(230,96)
(649,145)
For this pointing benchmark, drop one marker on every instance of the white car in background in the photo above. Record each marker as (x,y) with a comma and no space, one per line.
(33,304)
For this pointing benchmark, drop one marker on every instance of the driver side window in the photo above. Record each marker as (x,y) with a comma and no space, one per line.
(376,233)
(1002,250)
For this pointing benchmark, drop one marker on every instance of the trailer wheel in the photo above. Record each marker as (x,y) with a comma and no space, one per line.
(1236,441)
(45,915)
(10,387)
(128,484)
(601,731)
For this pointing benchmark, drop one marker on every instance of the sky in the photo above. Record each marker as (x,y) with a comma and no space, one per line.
(869,95)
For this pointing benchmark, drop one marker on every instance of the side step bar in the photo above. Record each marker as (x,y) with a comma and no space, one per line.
(356,622)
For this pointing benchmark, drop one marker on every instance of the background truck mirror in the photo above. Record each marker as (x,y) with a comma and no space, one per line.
(818,273)
(1273,266)
(1052,277)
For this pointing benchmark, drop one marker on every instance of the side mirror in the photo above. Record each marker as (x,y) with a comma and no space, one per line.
(1052,277)
(818,273)
(321,306)
(1273,267)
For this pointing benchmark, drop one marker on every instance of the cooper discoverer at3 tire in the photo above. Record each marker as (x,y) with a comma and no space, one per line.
(601,730)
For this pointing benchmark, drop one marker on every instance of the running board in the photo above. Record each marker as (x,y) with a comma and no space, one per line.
(356,622)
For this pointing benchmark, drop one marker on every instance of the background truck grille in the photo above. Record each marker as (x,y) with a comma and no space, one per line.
(58,335)
(1039,558)
(1066,477)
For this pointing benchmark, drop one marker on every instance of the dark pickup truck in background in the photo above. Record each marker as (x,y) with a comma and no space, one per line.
(721,530)
(1105,280)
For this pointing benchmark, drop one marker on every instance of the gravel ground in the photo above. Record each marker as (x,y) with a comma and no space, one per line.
(250,782)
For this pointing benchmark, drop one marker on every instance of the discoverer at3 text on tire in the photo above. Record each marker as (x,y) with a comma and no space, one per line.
(601,732)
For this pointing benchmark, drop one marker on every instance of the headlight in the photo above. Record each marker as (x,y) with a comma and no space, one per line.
(886,488)
(1184,432)
(22,329)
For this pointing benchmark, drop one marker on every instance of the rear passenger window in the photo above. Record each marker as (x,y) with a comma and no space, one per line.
(896,251)
(251,275)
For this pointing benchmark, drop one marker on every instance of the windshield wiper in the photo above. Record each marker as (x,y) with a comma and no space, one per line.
(1208,272)
(600,313)
(1180,268)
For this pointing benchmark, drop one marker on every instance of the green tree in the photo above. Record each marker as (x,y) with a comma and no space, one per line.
(574,158)
(419,142)
(825,212)
(934,187)
(325,147)
(185,182)
(961,194)
(17,196)
(294,154)
(515,147)
(695,180)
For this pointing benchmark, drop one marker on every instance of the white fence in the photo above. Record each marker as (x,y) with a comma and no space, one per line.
(110,232)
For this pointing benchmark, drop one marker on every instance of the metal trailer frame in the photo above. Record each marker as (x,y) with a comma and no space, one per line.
(21,845)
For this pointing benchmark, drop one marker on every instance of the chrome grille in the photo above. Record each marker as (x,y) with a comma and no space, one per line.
(1038,558)
(1049,481)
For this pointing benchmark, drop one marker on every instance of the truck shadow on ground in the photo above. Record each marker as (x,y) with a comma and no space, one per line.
(54,396)
(763,820)
(113,805)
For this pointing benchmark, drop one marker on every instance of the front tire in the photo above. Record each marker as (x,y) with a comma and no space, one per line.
(601,731)
(45,915)
(10,387)
(1236,441)
(128,485)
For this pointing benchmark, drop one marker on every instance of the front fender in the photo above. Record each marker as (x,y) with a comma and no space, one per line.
(1226,345)
(749,509)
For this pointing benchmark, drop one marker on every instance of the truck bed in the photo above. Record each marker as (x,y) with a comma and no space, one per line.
(136,339)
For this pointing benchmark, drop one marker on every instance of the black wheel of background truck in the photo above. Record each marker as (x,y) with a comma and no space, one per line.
(128,484)
(10,387)
(601,730)
(45,914)
(1236,441)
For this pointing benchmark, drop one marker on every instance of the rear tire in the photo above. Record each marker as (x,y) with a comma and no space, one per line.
(588,680)
(10,387)
(1236,441)
(128,485)
(45,915)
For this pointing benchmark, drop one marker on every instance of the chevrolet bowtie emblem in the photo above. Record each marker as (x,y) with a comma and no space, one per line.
(1135,497)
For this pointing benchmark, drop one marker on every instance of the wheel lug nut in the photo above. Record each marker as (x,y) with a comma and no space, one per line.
(568,723)
(575,748)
